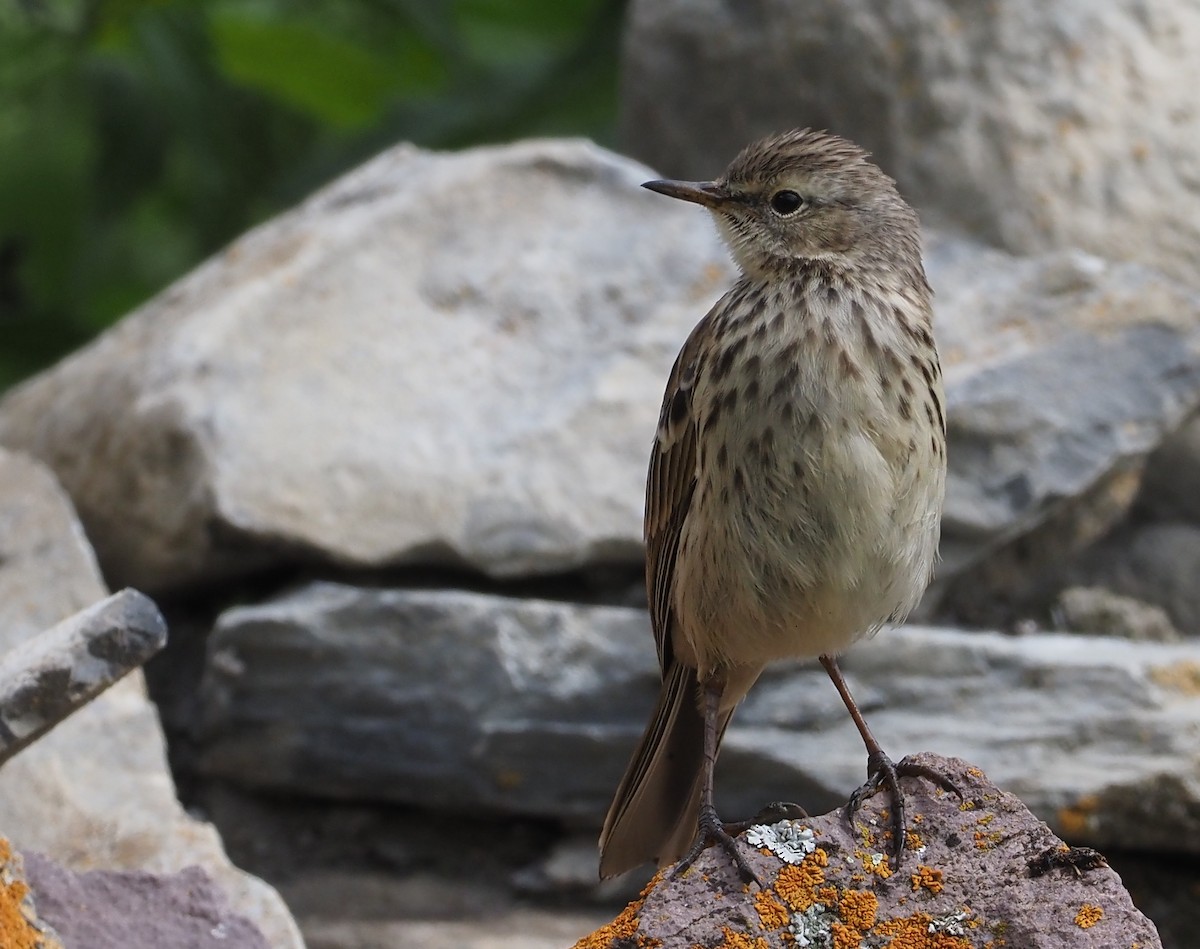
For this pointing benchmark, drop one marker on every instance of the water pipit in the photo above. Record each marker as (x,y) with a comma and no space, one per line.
(794,498)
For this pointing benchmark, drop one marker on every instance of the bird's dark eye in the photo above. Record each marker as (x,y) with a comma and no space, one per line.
(786,202)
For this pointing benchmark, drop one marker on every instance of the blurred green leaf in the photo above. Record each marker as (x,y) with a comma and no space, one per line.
(318,72)
(138,136)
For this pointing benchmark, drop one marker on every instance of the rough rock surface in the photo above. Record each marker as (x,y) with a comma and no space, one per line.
(47,677)
(1062,372)
(132,909)
(458,359)
(442,698)
(452,699)
(1036,125)
(20,925)
(974,877)
(96,791)
(439,358)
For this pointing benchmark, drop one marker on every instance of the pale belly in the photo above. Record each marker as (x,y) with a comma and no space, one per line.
(832,534)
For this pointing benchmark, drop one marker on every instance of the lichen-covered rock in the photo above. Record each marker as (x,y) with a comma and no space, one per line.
(20,926)
(95,791)
(980,871)
(133,909)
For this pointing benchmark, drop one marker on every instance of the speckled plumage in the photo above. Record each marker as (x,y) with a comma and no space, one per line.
(795,486)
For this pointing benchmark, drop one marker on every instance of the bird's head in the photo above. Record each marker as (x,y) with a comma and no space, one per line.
(804,195)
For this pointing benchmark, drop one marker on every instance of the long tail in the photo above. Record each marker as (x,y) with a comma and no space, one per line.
(654,813)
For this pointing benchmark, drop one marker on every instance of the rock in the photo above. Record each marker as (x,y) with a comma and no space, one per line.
(447,359)
(467,702)
(96,791)
(527,927)
(1097,610)
(20,926)
(47,677)
(477,383)
(1025,122)
(364,876)
(1172,473)
(982,872)
(1154,563)
(439,698)
(1062,373)
(132,909)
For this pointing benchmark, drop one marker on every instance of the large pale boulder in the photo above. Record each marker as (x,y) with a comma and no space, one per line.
(450,359)
(1035,125)
(96,791)
(458,360)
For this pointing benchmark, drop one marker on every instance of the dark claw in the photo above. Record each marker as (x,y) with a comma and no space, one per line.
(771,813)
(712,831)
(881,772)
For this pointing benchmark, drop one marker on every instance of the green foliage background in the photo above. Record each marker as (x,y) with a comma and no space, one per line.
(138,136)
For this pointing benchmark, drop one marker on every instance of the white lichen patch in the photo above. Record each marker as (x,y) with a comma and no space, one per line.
(952,924)
(813,929)
(789,840)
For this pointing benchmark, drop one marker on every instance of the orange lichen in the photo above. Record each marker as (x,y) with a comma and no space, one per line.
(975,772)
(734,940)
(986,840)
(858,908)
(845,937)
(797,883)
(967,806)
(16,932)
(927,877)
(1075,819)
(625,926)
(912,932)
(875,863)
(827,895)
(1089,914)
(913,841)
(771,913)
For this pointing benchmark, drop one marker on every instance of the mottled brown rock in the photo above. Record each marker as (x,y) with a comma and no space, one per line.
(133,909)
(980,872)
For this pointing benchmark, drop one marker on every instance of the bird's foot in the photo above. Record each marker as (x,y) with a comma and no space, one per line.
(712,831)
(882,773)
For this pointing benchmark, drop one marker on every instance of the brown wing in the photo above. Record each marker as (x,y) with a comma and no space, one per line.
(670,484)
(659,792)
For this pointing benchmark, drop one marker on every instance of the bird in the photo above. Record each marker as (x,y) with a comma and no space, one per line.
(796,480)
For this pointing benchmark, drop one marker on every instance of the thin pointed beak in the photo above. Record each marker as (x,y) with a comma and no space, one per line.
(708,193)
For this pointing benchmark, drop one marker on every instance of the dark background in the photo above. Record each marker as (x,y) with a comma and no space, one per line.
(139,136)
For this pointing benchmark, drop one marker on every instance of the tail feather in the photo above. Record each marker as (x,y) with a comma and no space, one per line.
(654,813)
